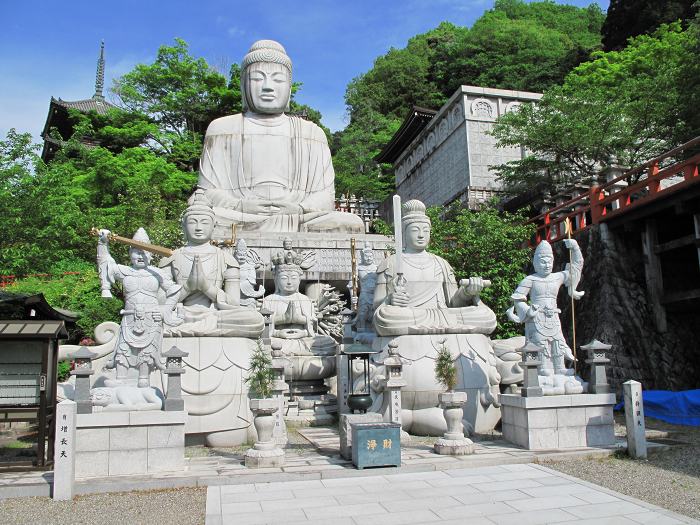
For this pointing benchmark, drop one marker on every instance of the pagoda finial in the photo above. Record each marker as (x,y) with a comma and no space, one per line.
(100,77)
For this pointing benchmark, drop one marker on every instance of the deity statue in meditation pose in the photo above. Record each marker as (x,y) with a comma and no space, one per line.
(426,299)
(210,282)
(541,316)
(266,170)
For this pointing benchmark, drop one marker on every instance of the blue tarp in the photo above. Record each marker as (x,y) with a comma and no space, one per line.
(679,408)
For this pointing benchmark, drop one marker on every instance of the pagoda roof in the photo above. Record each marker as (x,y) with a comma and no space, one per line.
(416,120)
(98,104)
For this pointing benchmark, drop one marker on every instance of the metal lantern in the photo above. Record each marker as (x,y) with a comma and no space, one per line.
(359,399)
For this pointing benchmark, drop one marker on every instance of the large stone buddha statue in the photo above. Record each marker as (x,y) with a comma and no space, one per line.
(265,170)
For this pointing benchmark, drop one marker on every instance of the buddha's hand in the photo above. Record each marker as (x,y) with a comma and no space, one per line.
(399,298)
(474,285)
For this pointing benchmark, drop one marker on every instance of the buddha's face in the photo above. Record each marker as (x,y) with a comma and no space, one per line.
(139,258)
(268,87)
(543,263)
(198,228)
(287,282)
(417,237)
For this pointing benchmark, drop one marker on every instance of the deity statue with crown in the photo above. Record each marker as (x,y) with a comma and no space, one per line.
(265,170)
(541,316)
(294,325)
(419,303)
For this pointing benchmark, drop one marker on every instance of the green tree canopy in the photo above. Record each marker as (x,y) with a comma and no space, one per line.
(622,107)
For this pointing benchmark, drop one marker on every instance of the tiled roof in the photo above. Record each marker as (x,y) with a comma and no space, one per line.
(412,125)
(90,104)
(32,329)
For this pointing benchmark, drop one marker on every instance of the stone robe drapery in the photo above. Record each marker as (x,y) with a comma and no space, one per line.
(432,289)
(280,159)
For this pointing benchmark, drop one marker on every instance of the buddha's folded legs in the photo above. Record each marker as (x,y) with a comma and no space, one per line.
(204,322)
(395,320)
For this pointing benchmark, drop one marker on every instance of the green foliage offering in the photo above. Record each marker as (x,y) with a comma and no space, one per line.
(445,369)
(515,45)
(63,371)
(622,107)
(487,244)
(260,374)
(78,292)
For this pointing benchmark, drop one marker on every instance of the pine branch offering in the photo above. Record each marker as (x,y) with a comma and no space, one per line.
(445,369)
(260,375)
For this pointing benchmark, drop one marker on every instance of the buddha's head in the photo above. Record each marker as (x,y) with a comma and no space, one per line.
(266,78)
(543,260)
(287,273)
(416,227)
(198,220)
(140,259)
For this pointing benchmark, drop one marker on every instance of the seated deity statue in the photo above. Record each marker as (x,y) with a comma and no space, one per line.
(294,323)
(425,298)
(210,282)
(265,170)
(138,344)
(541,316)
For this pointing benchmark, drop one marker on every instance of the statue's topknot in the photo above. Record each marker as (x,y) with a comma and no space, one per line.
(267,51)
(413,211)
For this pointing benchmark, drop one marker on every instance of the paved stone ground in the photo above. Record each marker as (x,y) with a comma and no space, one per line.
(519,494)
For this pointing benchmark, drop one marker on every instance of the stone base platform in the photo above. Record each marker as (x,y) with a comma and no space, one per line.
(128,443)
(454,447)
(558,422)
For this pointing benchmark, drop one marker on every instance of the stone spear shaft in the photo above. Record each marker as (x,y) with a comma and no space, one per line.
(398,240)
(153,248)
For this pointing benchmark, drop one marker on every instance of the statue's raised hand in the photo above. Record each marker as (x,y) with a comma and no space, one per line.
(103,236)
(570,243)
(474,285)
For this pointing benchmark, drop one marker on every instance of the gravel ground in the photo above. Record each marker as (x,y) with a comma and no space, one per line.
(669,479)
(167,507)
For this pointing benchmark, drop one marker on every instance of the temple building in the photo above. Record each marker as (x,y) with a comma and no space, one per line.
(59,119)
(444,156)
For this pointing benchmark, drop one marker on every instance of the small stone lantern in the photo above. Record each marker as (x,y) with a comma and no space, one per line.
(394,381)
(279,388)
(597,359)
(359,399)
(174,369)
(82,370)
(266,335)
(530,364)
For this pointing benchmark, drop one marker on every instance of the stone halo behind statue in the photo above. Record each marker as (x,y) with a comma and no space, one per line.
(264,170)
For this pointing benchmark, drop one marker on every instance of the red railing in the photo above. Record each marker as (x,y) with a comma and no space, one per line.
(619,195)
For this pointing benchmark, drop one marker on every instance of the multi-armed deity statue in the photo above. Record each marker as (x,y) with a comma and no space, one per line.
(266,170)
(541,316)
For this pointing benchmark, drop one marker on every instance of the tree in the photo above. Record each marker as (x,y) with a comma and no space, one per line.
(630,18)
(182,95)
(622,107)
(485,243)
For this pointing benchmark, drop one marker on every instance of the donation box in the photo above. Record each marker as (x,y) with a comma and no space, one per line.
(376,445)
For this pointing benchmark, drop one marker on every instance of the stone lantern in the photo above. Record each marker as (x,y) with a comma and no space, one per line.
(394,382)
(174,369)
(597,359)
(279,388)
(82,370)
(530,364)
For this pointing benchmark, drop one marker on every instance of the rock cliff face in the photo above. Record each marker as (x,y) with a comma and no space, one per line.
(615,310)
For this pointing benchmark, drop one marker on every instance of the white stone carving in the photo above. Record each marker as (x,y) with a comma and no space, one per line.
(513,106)
(249,262)
(483,108)
(265,170)
(541,316)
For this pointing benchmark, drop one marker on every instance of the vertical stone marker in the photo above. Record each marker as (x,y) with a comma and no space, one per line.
(634,418)
(64,447)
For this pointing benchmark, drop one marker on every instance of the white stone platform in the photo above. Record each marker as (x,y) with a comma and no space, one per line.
(128,443)
(558,422)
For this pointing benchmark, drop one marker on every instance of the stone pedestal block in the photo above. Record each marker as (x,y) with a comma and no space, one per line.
(558,422)
(454,447)
(345,431)
(127,443)
(64,451)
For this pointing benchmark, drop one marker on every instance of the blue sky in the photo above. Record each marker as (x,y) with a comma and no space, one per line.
(50,48)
